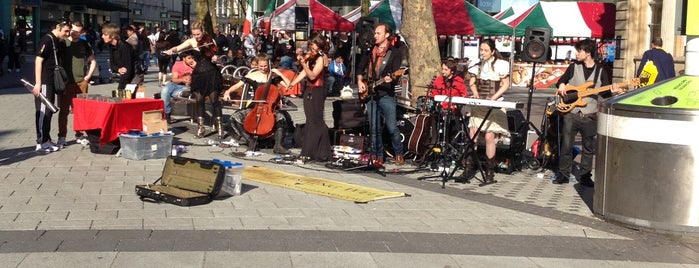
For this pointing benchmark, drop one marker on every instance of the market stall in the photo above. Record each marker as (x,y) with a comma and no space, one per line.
(581,20)
(324,19)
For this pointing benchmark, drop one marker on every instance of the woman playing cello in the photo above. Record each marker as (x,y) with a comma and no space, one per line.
(316,140)
(206,78)
(260,78)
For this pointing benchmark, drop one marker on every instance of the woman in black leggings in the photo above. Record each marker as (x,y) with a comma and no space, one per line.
(206,78)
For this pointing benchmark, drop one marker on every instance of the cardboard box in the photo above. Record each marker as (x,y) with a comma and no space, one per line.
(153,122)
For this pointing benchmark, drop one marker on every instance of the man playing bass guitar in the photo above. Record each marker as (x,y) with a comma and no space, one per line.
(581,119)
(379,63)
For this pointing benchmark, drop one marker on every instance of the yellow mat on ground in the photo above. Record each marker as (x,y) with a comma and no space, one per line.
(330,188)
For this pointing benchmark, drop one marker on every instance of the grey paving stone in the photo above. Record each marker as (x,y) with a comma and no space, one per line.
(29,246)
(201,244)
(247,259)
(12,259)
(62,235)
(162,259)
(88,246)
(314,259)
(139,245)
(69,259)
(6,236)
(123,234)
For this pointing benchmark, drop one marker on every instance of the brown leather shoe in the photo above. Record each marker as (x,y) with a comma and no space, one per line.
(400,160)
(377,161)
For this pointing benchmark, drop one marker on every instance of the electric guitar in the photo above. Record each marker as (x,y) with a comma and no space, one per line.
(574,94)
(363,97)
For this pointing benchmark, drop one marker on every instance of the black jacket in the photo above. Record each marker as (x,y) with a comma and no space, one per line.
(392,64)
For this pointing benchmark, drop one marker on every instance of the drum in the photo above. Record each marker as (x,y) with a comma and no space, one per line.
(426,105)
(405,127)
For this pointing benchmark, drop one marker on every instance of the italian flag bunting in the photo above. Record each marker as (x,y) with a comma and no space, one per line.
(247,25)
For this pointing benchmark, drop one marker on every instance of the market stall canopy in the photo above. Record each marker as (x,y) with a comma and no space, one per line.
(387,11)
(462,18)
(581,19)
(504,14)
(567,19)
(532,16)
(324,19)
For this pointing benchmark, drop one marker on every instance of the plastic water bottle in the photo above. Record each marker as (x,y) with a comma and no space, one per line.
(237,170)
(453,165)
(174,150)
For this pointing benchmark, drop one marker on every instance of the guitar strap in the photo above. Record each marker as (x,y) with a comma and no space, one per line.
(384,62)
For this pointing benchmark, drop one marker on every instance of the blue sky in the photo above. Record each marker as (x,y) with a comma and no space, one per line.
(517,5)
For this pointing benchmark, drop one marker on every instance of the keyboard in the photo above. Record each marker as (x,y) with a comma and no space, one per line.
(480,102)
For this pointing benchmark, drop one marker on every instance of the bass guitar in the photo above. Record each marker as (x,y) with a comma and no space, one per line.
(363,97)
(575,94)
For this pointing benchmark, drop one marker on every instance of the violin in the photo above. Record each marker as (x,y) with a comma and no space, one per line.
(260,120)
(310,56)
(207,46)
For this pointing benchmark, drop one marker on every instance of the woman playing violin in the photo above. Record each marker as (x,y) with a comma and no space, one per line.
(255,80)
(316,141)
(206,78)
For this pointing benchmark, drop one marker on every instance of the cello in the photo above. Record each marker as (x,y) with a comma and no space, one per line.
(260,120)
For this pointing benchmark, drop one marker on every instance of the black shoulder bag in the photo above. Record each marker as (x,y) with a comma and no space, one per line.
(60,78)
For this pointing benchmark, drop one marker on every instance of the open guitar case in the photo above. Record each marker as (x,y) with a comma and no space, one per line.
(185,182)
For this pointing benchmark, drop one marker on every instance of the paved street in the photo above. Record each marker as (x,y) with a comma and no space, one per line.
(73,208)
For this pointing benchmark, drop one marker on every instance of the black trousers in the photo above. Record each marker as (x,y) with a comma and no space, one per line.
(43,114)
(573,124)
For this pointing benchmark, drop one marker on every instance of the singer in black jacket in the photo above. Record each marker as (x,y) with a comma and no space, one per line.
(377,64)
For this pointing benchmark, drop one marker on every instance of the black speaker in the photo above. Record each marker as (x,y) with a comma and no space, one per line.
(365,30)
(301,14)
(536,44)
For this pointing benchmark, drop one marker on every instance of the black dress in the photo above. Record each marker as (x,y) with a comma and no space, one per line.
(206,81)
(316,140)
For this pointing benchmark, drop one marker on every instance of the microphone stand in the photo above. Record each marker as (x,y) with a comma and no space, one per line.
(373,122)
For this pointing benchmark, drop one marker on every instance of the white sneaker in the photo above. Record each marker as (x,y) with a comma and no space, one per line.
(61,142)
(46,147)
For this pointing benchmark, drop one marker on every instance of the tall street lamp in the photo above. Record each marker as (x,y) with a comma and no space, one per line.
(185,16)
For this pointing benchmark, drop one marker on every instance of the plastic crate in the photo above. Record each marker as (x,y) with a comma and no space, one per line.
(140,146)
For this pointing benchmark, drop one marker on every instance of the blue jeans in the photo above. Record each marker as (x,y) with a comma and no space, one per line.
(386,108)
(171,89)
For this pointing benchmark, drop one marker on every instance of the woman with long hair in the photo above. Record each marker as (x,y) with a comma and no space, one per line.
(206,78)
(316,140)
(491,82)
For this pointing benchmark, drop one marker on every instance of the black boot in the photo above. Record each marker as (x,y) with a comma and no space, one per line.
(490,170)
(469,170)
(168,118)
(200,128)
(278,139)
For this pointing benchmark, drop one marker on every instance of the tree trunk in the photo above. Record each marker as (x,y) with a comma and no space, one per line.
(200,9)
(418,29)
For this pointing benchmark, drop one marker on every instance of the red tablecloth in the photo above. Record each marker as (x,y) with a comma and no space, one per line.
(113,118)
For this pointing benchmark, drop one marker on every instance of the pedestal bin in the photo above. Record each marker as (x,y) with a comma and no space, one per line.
(646,173)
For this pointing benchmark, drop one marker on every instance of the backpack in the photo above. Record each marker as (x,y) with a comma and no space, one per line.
(648,74)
